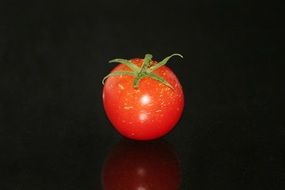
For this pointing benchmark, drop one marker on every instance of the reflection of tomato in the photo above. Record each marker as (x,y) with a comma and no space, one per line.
(142,98)
(142,166)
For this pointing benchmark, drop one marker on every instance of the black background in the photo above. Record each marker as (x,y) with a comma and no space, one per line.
(54,133)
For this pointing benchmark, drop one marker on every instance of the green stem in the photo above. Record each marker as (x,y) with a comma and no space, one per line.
(146,70)
(146,62)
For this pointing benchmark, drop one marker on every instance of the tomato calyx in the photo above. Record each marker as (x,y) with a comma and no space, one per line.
(145,70)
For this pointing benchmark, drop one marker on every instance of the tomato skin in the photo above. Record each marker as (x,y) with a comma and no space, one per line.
(141,165)
(146,113)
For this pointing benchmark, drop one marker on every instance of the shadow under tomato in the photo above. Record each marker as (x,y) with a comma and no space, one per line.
(152,165)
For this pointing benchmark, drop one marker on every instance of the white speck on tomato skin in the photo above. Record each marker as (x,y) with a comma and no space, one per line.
(162,104)
(145,99)
(143,116)
(110,86)
(128,107)
(121,87)
(137,91)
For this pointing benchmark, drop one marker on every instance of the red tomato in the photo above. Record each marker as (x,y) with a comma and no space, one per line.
(143,100)
(142,165)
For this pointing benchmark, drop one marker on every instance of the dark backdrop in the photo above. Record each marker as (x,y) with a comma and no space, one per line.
(53,55)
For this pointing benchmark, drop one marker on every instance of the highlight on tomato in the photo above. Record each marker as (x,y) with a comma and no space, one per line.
(142,165)
(143,98)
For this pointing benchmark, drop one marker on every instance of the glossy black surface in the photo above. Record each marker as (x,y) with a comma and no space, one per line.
(54,133)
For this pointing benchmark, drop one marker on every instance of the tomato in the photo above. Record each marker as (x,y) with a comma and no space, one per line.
(142,165)
(143,98)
